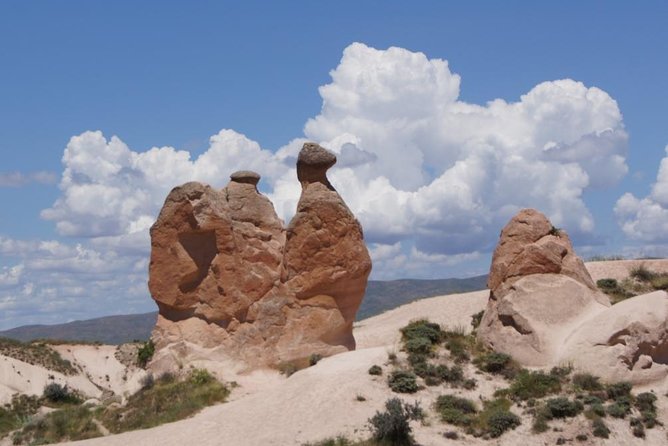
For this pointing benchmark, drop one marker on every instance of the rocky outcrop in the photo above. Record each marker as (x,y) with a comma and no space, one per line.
(545,310)
(627,342)
(230,279)
(539,291)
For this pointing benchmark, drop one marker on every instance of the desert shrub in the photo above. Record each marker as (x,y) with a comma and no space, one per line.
(588,382)
(70,423)
(534,384)
(476,319)
(14,414)
(392,426)
(563,407)
(642,274)
(607,284)
(618,390)
(469,384)
(375,370)
(314,359)
(554,231)
(418,346)
(494,362)
(458,346)
(501,421)
(637,427)
(338,441)
(660,282)
(561,371)
(619,408)
(402,381)
(145,353)
(646,402)
(455,410)
(166,402)
(200,377)
(453,375)
(288,368)
(422,329)
(451,435)
(599,429)
(495,419)
(147,381)
(58,394)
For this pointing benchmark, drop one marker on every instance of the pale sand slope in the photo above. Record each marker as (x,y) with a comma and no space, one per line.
(95,362)
(620,269)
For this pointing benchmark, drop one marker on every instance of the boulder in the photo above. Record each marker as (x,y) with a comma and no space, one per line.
(232,283)
(627,342)
(539,291)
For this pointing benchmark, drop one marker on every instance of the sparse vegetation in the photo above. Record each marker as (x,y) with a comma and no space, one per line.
(497,363)
(375,370)
(70,423)
(314,359)
(145,353)
(402,381)
(585,381)
(535,384)
(641,280)
(55,393)
(14,414)
(165,402)
(476,319)
(36,353)
(392,426)
(455,410)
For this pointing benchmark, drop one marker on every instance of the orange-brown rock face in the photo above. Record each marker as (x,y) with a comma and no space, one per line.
(539,290)
(229,278)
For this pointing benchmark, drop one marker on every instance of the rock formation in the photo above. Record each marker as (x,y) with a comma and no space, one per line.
(230,280)
(545,310)
(539,290)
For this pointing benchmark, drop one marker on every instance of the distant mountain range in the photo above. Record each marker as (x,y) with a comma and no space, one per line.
(380,296)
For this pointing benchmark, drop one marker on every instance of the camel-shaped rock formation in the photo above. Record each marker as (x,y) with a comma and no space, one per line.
(231,283)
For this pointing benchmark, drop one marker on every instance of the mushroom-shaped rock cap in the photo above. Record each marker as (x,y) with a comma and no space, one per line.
(245,176)
(312,164)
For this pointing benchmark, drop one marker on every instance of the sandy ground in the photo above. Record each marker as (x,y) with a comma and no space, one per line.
(99,371)
(619,269)
(322,401)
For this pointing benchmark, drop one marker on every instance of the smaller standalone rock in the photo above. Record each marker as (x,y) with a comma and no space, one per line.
(245,176)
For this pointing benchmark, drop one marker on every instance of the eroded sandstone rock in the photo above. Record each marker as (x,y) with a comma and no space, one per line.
(231,281)
(539,291)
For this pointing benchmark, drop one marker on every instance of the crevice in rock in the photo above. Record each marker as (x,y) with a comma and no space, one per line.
(509,321)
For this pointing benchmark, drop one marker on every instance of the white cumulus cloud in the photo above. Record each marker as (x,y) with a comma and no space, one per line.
(646,219)
(432,178)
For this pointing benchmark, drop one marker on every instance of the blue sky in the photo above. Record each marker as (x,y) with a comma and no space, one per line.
(173,74)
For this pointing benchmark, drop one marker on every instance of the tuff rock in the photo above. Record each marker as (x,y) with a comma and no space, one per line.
(232,283)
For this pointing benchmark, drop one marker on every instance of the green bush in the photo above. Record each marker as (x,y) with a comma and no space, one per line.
(476,319)
(422,329)
(660,282)
(455,410)
(58,394)
(562,407)
(646,402)
(418,346)
(314,359)
(495,419)
(401,381)
(494,362)
(637,427)
(588,382)
(641,273)
(392,426)
(200,377)
(536,384)
(619,409)
(618,390)
(14,414)
(607,284)
(375,370)
(599,429)
(501,421)
(145,353)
